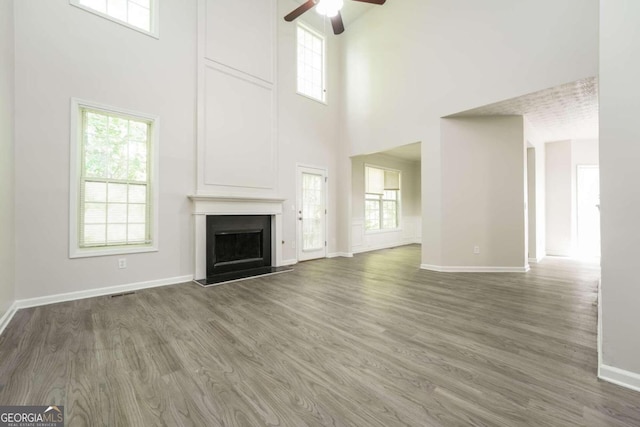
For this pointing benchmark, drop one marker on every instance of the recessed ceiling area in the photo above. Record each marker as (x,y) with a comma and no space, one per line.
(569,111)
(412,152)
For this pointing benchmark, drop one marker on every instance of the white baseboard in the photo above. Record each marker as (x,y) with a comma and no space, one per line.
(620,377)
(474,269)
(288,262)
(72,296)
(535,260)
(8,315)
(340,254)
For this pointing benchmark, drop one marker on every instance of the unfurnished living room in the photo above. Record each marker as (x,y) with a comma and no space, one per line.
(319,212)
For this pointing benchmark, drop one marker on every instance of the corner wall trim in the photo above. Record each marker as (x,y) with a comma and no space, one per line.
(474,269)
(72,296)
(620,377)
(340,254)
(4,320)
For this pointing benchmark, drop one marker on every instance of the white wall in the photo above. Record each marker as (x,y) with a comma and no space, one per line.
(343,202)
(531,202)
(7,195)
(436,58)
(115,65)
(262,115)
(537,207)
(562,160)
(63,52)
(620,199)
(410,221)
(309,132)
(237,98)
(483,188)
(559,198)
(583,152)
(541,203)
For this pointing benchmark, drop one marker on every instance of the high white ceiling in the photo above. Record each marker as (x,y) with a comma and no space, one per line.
(569,111)
(351,11)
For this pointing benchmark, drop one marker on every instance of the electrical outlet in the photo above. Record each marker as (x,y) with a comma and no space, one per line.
(476,250)
(122,263)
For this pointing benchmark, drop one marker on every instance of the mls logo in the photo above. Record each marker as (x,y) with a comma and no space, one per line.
(32,416)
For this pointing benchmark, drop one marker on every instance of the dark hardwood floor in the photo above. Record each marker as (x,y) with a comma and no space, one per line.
(368,341)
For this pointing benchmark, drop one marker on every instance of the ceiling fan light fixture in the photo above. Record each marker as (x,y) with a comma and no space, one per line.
(329,8)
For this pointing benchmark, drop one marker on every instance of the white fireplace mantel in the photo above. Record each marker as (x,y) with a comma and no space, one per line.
(204,205)
(228,205)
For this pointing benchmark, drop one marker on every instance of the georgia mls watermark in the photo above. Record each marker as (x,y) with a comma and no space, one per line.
(31,416)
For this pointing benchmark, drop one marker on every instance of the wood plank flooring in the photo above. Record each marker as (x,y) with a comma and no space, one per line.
(368,341)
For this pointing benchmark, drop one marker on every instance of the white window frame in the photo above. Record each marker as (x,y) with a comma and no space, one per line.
(75,180)
(324,63)
(154,18)
(398,203)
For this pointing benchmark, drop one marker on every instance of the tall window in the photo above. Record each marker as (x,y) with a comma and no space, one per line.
(311,64)
(140,15)
(113,166)
(382,198)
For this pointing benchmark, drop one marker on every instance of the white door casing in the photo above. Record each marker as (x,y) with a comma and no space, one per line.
(311,190)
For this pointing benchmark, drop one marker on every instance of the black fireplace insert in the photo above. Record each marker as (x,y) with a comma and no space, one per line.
(237,243)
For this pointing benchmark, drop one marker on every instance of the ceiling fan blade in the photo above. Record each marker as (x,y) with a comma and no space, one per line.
(372,1)
(300,10)
(337,24)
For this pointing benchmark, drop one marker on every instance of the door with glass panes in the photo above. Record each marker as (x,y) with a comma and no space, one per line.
(312,213)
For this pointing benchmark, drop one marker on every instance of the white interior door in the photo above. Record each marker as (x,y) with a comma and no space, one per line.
(588,189)
(312,213)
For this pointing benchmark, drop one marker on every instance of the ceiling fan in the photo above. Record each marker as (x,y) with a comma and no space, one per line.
(328,8)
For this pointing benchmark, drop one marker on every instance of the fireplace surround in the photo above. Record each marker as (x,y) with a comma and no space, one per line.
(205,206)
(237,242)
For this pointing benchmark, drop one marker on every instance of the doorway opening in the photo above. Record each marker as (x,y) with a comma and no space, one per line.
(588,211)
